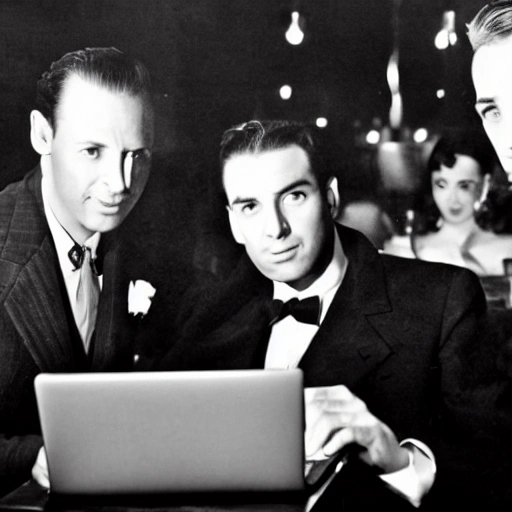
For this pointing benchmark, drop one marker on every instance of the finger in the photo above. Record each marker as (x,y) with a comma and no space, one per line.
(338,441)
(40,469)
(339,392)
(322,430)
(44,481)
(40,475)
(332,399)
(361,427)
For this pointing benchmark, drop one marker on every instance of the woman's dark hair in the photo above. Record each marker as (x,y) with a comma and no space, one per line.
(495,212)
(472,143)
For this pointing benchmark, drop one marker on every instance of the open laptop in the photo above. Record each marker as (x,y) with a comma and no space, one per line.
(173,432)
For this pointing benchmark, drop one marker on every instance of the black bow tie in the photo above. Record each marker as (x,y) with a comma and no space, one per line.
(76,256)
(306,310)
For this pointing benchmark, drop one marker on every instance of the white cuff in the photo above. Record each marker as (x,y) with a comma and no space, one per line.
(415,480)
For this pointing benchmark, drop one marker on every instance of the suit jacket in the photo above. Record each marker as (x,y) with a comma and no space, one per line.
(37,331)
(399,334)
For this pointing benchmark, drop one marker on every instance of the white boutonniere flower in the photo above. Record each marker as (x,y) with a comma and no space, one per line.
(140,293)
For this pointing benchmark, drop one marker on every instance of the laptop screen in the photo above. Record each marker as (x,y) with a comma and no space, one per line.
(167,432)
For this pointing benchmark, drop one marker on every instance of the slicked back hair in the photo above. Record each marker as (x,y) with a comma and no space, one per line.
(105,67)
(255,137)
(491,24)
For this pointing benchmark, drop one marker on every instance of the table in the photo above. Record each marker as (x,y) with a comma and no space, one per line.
(30,497)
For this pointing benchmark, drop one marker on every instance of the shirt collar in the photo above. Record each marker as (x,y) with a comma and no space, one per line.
(330,279)
(61,238)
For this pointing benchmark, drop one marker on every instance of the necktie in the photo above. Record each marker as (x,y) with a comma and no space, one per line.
(306,310)
(88,293)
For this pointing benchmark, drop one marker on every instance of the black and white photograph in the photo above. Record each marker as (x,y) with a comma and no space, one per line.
(255,255)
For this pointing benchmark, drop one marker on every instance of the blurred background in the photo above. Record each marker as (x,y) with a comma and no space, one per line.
(382,77)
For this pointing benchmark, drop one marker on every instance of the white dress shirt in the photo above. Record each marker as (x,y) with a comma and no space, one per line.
(63,244)
(289,340)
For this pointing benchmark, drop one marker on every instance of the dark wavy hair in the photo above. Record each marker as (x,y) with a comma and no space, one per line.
(472,143)
(107,67)
(255,137)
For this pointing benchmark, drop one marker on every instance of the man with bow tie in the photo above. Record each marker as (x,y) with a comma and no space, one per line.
(381,340)
(63,295)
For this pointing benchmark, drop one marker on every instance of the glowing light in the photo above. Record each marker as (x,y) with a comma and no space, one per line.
(373,137)
(420,135)
(285,92)
(442,40)
(447,35)
(321,122)
(440,93)
(395,112)
(294,34)
(392,73)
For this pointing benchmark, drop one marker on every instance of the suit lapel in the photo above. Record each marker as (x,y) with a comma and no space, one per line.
(349,344)
(36,290)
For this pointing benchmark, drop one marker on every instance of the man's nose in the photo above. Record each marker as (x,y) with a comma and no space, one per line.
(114,174)
(276,224)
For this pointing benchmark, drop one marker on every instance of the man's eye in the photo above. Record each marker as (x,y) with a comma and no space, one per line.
(141,154)
(91,153)
(490,113)
(294,197)
(249,208)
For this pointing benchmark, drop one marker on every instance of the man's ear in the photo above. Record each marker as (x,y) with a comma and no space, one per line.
(233,223)
(333,197)
(41,133)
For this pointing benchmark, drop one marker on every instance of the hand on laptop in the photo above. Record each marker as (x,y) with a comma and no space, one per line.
(40,469)
(336,418)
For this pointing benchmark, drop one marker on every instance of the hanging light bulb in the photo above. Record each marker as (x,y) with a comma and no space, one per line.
(447,35)
(395,111)
(442,41)
(294,34)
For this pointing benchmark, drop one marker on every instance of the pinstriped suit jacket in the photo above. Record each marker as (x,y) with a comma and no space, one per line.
(34,332)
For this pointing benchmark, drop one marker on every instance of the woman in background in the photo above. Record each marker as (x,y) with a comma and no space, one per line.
(459,167)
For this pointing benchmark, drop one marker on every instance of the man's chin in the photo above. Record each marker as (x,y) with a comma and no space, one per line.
(289,277)
(106,223)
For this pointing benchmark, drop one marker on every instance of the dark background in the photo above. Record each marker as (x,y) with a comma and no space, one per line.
(220,62)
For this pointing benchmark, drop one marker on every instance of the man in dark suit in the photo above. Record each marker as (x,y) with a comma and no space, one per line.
(382,340)
(63,295)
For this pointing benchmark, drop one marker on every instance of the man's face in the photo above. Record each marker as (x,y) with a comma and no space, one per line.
(492,78)
(91,185)
(279,213)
